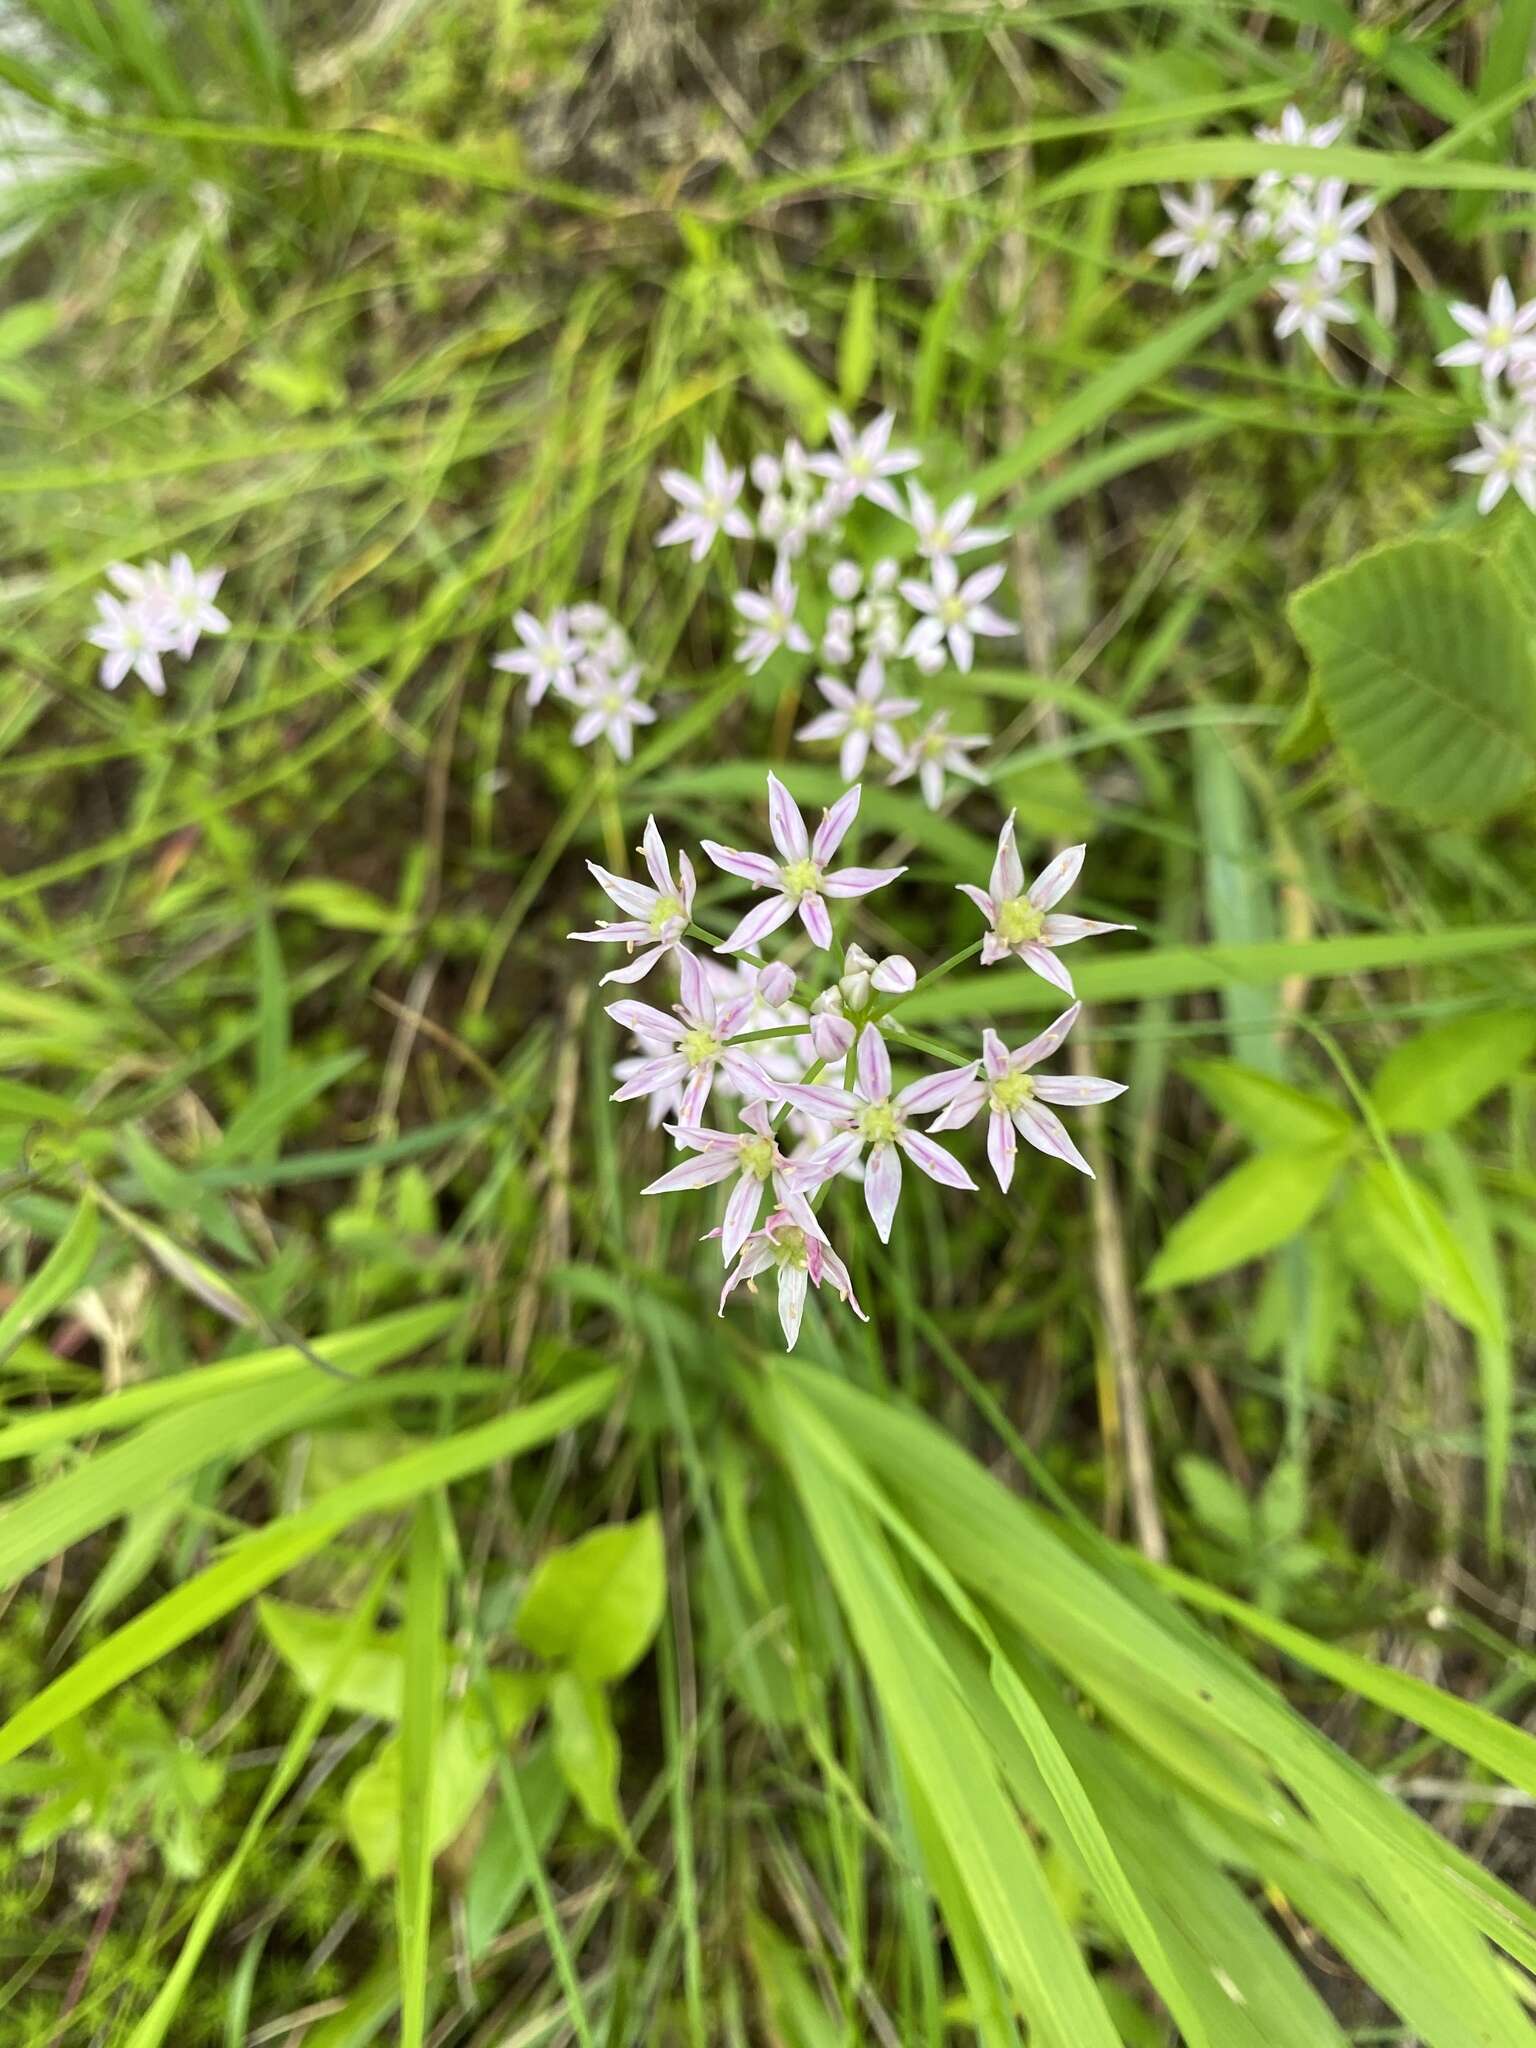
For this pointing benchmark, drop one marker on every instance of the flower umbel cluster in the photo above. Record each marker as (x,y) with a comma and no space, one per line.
(746,1031)
(1501,343)
(584,656)
(160,608)
(1312,227)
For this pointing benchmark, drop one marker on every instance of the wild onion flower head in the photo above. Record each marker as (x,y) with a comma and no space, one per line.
(709,504)
(770,620)
(950,532)
(799,879)
(547,657)
(132,636)
(954,612)
(860,465)
(860,718)
(753,1157)
(610,708)
(1323,230)
(838,1013)
(1498,339)
(1505,458)
(1309,304)
(1200,233)
(793,505)
(936,752)
(1015,1098)
(803,1259)
(1272,193)
(872,1118)
(657,916)
(694,1041)
(182,595)
(867,615)
(1024,921)
(600,636)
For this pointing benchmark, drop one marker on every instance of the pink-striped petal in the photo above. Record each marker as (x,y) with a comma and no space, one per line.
(895,976)
(622,928)
(794,1283)
(755,868)
(696,1093)
(651,1076)
(882,1188)
(813,915)
(740,1215)
(938,1164)
(994,949)
(853,753)
(1066,931)
(962,1107)
(686,883)
(646,1021)
(631,896)
(858,881)
(753,1260)
(1007,868)
(1046,965)
(785,822)
(655,855)
(832,1037)
(833,829)
(1076,1091)
(762,919)
(994,1054)
(1002,1147)
(1045,1042)
(704,1137)
(825,1163)
(1053,882)
(1047,1133)
(986,904)
(747,1077)
(874,1064)
(698,997)
(826,725)
(698,1170)
(936,1091)
(819,1099)
(637,969)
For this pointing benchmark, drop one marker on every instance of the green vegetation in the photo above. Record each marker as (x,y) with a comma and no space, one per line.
(424,1619)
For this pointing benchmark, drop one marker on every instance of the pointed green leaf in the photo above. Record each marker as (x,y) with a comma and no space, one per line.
(1259,1205)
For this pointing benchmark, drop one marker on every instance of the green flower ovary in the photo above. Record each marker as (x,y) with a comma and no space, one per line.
(1011,1093)
(1018,921)
(801,878)
(878,1124)
(789,1246)
(757,1157)
(667,907)
(697,1046)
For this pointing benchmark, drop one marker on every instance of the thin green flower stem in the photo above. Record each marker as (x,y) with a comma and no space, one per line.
(936,974)
(915,1042)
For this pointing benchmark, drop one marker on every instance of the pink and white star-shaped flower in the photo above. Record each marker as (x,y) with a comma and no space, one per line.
(753,1156)
(954,613)
(657,916)
(770,620)
(799,879)
(708,502)
(862,463)
(1015,1098)
(694,1041)
(547,657)
(873,1118)
(1497,340)
(803,1258)
(861,718)
(1022,920)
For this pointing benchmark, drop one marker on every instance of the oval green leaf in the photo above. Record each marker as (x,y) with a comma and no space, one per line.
(1266,1201)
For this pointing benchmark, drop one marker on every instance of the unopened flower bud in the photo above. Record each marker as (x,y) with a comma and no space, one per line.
(895,976)
(843,580)
(776,984)
(832,1036)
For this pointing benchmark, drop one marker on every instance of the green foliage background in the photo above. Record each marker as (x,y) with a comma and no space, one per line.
(424,1620)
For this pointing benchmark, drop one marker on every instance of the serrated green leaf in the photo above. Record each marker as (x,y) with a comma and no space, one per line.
(1429,1082)
(595,1605)
(1424,661)
(1259,1205)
